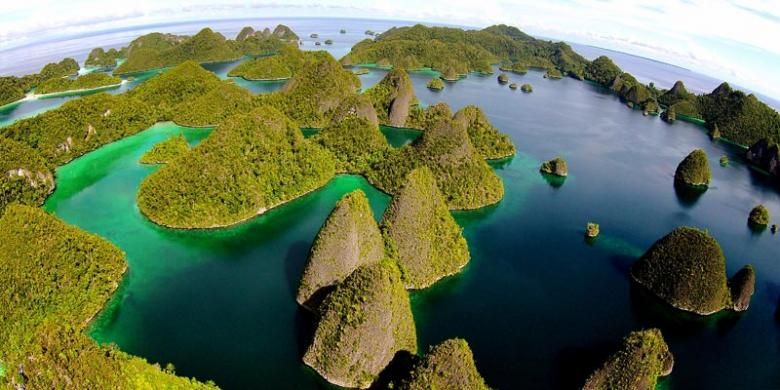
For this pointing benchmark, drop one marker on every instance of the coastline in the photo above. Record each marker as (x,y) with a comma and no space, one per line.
(77,91)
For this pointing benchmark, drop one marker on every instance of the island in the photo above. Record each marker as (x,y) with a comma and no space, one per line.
(14,88)
(765,154)
(591,230)
(503,78)
(363,323)
(513,86)
(553,74)
(527,88)
(555,167)
(47,330)
(435,84)
(262,69)
(693,171)
(104,59)
(759,216)
(642,358)
(349,239)
(418,226)
(687,269)
(490,143)
(448,365)
(166,151)
(87,82)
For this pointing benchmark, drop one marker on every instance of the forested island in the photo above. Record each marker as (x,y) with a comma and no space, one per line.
(14,88)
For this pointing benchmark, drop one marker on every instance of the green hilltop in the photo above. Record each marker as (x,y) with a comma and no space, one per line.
(166,151)
(642,358)
(449,365)
(25,177)
(88,81)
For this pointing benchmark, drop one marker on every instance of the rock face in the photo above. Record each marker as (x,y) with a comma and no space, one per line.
(449,365)
(503,78)
(742,286)
(363,324)
(694,170)
(759,216)
(687,269)
(556,166)
(643,357)
(359,106)
(393,97)
(418,225)
(766,156)
(349,239)
(489,142)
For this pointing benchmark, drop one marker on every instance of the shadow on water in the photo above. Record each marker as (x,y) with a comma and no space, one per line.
(573,365)
(397,371)
(688,196)
(294,263)
(755,229)
(501,163)
(553,180)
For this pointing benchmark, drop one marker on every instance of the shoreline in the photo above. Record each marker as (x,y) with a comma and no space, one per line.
(77,91)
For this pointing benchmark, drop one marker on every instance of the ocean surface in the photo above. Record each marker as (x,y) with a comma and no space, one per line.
(540,306)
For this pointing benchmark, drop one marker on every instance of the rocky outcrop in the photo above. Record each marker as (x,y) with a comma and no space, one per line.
(359,106)
(349,239)
(393,97)
(556,166)
(742,286)
(449,365)
(694,170)
(765,155)
(759,216)
(428,242)
(642,358)
(489,142)
(363,323)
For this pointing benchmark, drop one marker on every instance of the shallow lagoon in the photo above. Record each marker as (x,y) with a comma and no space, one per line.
(538,304)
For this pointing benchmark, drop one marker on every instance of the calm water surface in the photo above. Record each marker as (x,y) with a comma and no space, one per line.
(538,304)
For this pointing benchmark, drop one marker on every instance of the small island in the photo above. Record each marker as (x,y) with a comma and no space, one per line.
(503,78)
(759,216)
(166,151)
(553,74)
(88,82)
(513,86)
(694,171)
(435,84)
(555,167)
(527,88)
(687,269)
(724,160)
(643,357)
(263,69)
(449,365)
(592,230)
(328,41)
(342,31)
(314,36)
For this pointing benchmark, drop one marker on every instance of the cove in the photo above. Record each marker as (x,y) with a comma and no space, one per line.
(538,304)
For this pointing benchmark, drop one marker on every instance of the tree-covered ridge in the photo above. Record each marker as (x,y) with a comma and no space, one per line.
(258,43)
(739,117)
(46,309)
(393,98)
(687,269)
(448,365)
(106,59)
(349,239)
(166,151)
(463,176)
(24,175)
(642,358)
(694,170)
(428,243)
(88,81)
(314,92)
(250,163)
(354,141)
(363,323)
(455,51)
(14,88)
(489,141)
(81,125)
(264,68)
(180,85)
(212,107)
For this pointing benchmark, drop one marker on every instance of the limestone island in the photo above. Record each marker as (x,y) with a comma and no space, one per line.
(88,82)
(694,170)
(328,41)
(363,323)
(555,167)
(592,230)
(503,78)
(687,269)
(724,160)
(104,59)
(349,239)
(418,226)
(637,365)
(527,88)
(759,216)
(449,365)
(765,154)
(166,151)
(393,98)
(513,86)
(553,74)
(435,84)
(262,69)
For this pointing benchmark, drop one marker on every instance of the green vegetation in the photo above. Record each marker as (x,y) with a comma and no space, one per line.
(465,180)
(66,67)
(428,242)
(363,323)
(739,117)
(24,175)
(249,164)
(46,308)
(166,151)
(453,51)
(264,68)
(315,91)
(527,88)
(759,216)
(104,59)
(602,70)
(642,358)
(553,74)
(516,68)
(742,286)
(214,106)
(426,118)
(81,125)
(670,115)
(349,239)
(393,98)
(766,155)
(556,167)
(354,141)
(435,84)
(678,94)
(167,91)
(357,106)
(265,42)
(724,160)
(686,268)
(513,86)
(14,88)
(503,78)
(490,143)
(449,365)
(694,170)
(592,229)
(88,81)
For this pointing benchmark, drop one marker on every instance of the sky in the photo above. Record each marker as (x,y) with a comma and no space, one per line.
(737,41)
